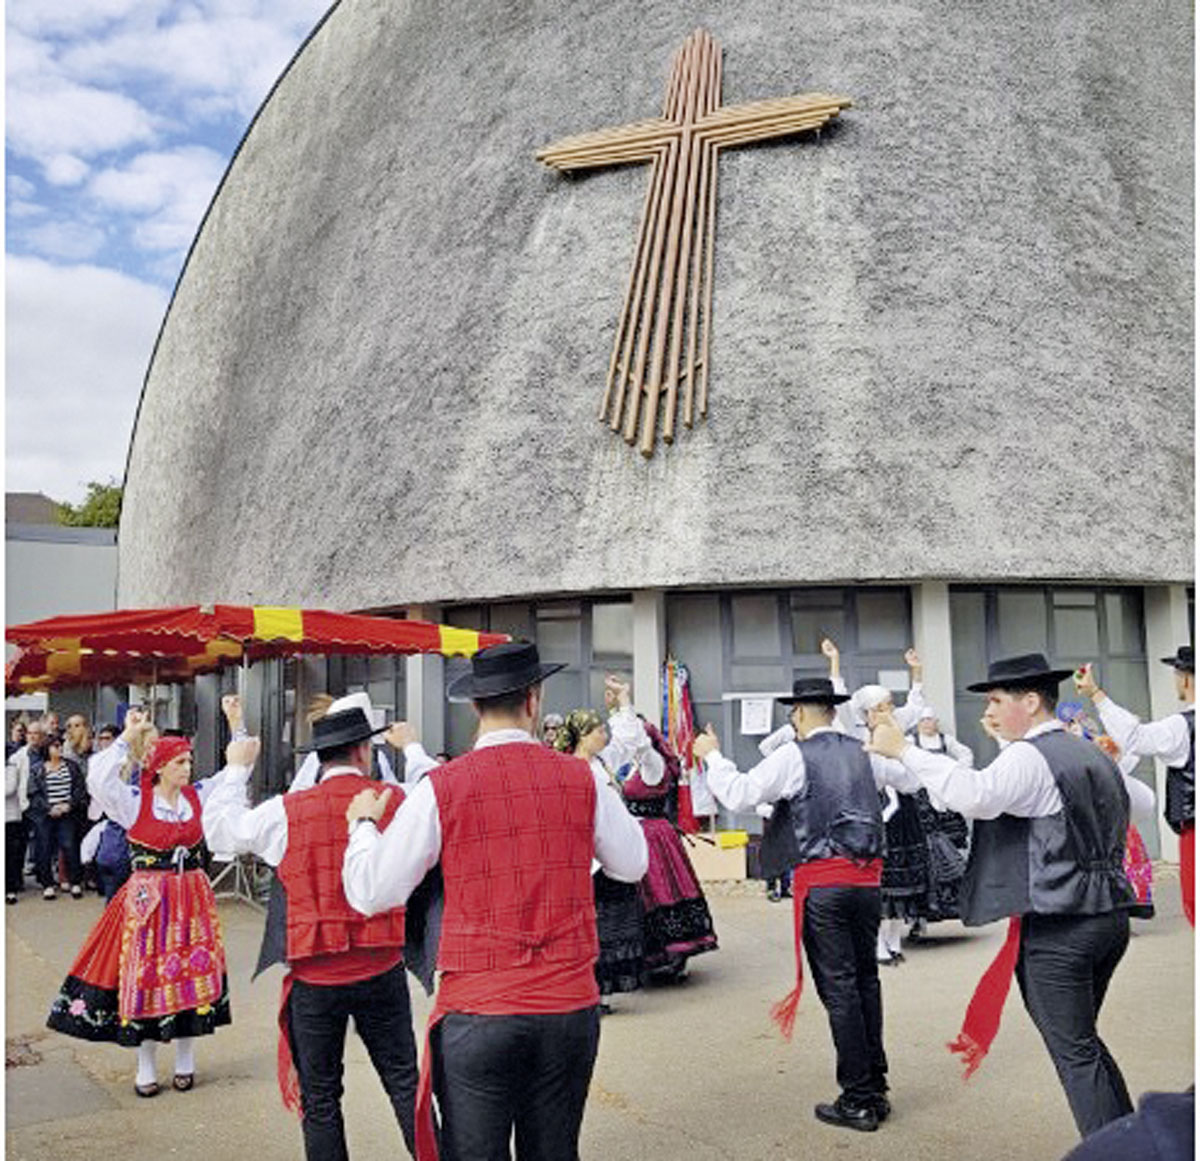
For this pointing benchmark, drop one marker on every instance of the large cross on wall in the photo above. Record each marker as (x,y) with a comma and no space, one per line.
(662,338)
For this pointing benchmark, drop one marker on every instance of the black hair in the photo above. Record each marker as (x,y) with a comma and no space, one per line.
(1046,689)
(339,753)
(505,703)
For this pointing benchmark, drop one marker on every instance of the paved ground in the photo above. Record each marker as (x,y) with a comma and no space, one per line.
(691,1071)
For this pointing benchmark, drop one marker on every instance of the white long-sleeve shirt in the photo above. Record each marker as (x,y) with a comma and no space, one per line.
(381,870)
(121,800)
(232,825)
(954,748)
(1018,782)
(629,742)
(782,774)
(1167,738)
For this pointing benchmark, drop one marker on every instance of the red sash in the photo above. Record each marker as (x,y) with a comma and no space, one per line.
(1187,870)
(819,873)
(982,1020)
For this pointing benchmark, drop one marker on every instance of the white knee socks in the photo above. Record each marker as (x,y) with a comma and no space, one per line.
(185,1056)
(146,1073)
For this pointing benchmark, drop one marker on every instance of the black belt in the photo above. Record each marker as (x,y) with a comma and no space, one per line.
(647,807)
(176,859)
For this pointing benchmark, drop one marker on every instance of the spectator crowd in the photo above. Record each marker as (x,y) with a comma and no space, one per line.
(52,831)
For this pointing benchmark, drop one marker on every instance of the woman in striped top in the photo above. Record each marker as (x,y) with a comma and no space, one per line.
(57,796)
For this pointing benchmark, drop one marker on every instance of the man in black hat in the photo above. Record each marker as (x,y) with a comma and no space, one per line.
(515,1028)
(1173,739)
(1047,853)
(341,964)
(828,829)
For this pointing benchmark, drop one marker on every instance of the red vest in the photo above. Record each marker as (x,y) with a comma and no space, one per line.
(518,830)
(319,920)
(149,831)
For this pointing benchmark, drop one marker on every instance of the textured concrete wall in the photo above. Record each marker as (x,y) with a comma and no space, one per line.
(952,339)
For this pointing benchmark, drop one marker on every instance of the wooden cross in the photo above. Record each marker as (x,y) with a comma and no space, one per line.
(663,333)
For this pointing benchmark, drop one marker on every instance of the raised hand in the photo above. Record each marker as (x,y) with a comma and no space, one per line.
(616,692)
(399,735)
(231,707)
(705,743)
(243,752)
(887,738)
(1085,680)
(830,650)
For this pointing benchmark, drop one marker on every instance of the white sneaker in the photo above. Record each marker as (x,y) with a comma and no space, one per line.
(77,892)
(49,893)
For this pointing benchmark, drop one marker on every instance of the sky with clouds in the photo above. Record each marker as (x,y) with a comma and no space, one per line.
(121,118)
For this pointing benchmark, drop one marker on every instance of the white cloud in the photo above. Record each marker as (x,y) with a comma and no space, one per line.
(20,187)
(37,18)
(71,241)
(169,191)
(79,339)
(64,170)
(48,116)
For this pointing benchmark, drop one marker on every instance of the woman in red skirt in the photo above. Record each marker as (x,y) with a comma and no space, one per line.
(153,967)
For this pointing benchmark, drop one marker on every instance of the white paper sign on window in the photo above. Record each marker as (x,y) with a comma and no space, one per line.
(756,715)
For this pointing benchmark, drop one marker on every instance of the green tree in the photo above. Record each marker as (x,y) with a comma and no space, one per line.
(101,507)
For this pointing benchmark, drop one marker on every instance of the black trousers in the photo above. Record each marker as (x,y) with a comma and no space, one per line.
(1065,964)
(55,835)
(317,1018)
(14,856)
(494,1075)
(840,928)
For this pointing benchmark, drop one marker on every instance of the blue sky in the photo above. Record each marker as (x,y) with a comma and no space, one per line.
(121,118)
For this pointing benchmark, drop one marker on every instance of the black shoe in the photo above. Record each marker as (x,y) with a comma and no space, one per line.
(848,1116)
(897,958)
(882,1107)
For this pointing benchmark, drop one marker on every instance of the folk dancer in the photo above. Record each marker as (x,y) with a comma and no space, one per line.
(1173,739)
(515,1026)
(153,967)
(826,825)
(1046,853)
(342,965)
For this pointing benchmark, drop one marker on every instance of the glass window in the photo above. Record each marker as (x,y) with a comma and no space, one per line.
(883,620)
(612,629)
(755,626)
(1123,622)
(694,639)
(810,625)
(1076,634)
(515,620)
(1021,621)
(559,638)
(759,679)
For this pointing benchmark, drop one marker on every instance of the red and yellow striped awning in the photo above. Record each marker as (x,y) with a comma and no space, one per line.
(176,644)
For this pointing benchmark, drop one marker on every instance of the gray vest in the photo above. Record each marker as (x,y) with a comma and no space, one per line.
(835,815)
(1181,782)
(1069,863)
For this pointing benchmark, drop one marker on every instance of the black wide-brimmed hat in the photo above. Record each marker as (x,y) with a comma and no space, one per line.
(1027,669)
(814,689)
(502,669)
(344,728)
(1185,659)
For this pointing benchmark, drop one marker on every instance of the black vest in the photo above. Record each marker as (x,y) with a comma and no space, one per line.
(1069,863)
(836,814)
(912,737)
(1181,782)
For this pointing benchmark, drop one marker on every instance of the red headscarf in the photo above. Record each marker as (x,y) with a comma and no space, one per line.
(162,751)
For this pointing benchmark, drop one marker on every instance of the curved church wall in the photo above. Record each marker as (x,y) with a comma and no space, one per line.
(951,338)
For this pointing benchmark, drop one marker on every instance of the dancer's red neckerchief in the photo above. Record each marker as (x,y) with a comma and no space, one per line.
(819,873)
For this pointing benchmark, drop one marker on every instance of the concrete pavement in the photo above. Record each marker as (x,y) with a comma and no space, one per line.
(693,1071)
